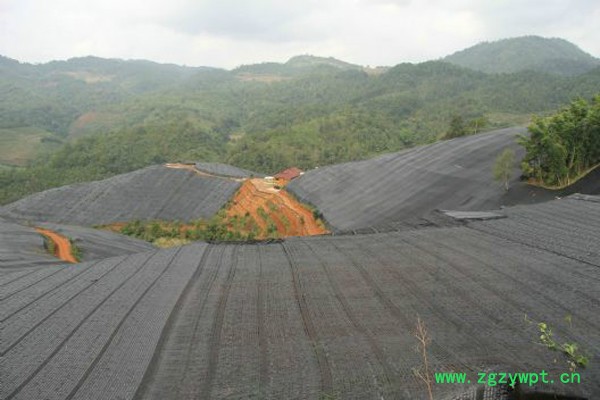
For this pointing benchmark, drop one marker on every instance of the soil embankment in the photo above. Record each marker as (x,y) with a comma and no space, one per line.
(275,208)
(260,209)
(62,245)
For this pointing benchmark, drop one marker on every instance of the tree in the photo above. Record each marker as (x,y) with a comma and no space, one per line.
(563,146)
(476,125)
(503,167)
(457,127)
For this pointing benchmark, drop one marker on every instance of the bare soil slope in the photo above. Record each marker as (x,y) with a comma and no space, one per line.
(267,205)
(62,245)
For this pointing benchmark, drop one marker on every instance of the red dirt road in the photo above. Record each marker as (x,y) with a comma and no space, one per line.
(62,245)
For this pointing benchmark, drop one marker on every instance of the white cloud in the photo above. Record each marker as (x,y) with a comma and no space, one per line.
(228,32)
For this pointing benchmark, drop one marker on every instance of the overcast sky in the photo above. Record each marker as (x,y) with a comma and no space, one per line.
(228,33)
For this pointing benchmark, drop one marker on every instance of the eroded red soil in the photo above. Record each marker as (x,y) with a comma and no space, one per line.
(62,245)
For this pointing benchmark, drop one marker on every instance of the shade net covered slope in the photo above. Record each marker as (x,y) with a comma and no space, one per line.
(454,174)
(225,170)
(151,193)
(569,226)
(334,317)
(307,318)
(97,244)
(88,331)
(21,247)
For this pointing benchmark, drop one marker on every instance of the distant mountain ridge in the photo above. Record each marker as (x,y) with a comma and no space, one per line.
(549,55)
(91,118)
(536,53)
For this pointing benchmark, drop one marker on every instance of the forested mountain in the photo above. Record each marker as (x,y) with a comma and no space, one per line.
(43,106)
(51,96)
(90,118)
(555,56)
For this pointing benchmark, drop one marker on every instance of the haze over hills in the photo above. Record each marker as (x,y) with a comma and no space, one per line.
(551,55)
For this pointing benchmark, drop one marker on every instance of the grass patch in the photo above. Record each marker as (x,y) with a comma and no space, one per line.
(164,242)
(50,245)
(76,251)
(219,228)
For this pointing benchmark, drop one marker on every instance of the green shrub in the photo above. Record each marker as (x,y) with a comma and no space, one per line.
(76,251)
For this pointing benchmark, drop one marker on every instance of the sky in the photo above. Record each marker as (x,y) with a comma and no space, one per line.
(229,33)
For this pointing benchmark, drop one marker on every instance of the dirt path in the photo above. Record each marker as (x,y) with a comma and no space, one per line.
(192,167)
(62,245)
(289,216)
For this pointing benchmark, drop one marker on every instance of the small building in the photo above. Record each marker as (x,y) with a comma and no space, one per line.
(289,174)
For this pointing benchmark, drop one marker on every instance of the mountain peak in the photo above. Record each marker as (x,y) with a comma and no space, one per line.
(550,55)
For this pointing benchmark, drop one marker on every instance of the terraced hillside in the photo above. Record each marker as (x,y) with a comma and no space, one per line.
(311,318)
(403,187)
(151,193)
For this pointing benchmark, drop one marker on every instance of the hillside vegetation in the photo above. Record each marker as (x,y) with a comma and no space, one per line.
(554,56)
(565,145)
(94,118)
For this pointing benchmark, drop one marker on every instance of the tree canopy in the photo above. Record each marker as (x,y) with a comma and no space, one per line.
(563,146)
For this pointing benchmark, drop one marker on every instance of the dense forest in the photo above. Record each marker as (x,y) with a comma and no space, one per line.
(90,118)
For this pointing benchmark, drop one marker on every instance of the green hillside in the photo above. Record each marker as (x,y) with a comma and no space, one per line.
(555,56)
(90,118)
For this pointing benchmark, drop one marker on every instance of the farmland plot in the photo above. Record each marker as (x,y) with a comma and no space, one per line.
(312,317)
(572,230)
(403,188)
(447,175)
(92,333)
(151,193)
(335,316)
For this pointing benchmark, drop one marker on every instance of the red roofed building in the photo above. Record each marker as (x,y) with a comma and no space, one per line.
(289,174)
